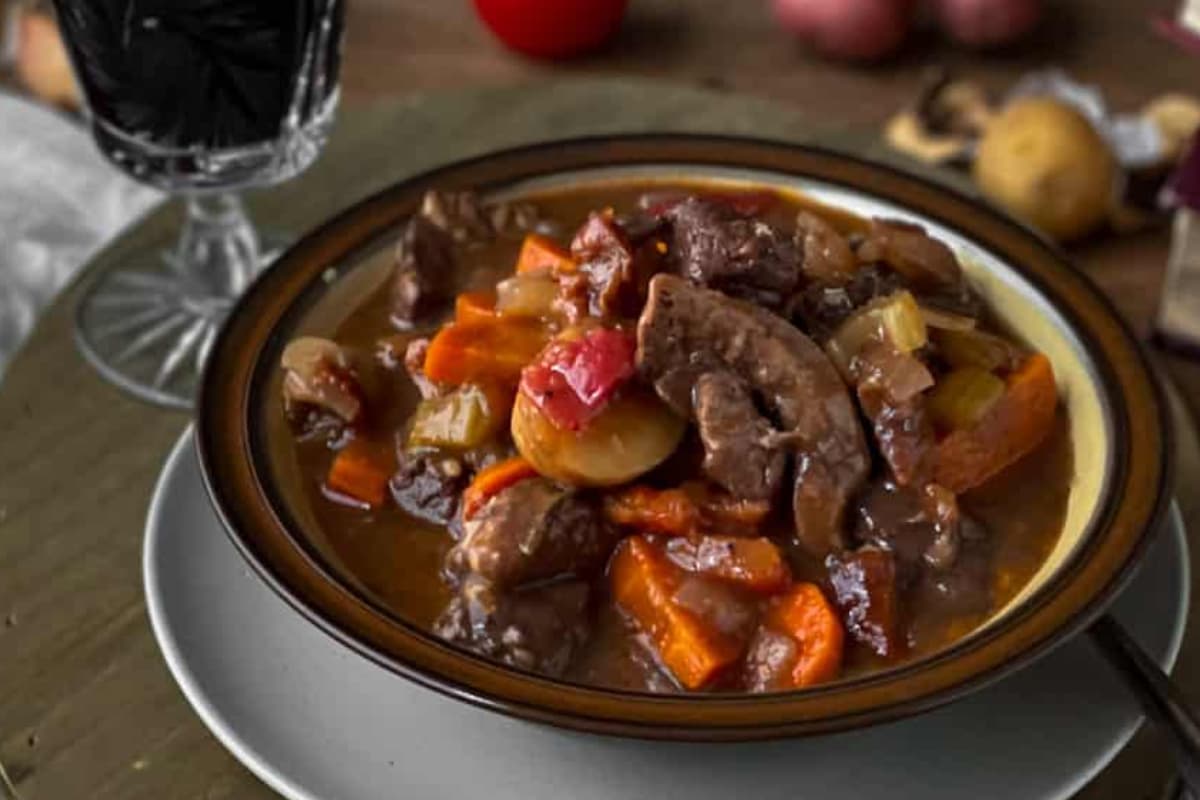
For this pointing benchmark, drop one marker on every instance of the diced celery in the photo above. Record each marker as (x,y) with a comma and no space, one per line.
(962,397)
(903,322)
(895,319)
(459,420)
(975,348)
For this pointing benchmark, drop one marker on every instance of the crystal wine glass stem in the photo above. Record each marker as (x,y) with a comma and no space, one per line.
(218,248)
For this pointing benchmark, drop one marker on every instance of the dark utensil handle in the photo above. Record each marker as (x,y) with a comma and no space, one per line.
(1158,696)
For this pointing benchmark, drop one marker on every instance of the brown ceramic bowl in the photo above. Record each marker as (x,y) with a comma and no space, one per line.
(1118,425)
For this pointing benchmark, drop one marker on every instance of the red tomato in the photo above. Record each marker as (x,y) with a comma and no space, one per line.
(572,380)
(552,28)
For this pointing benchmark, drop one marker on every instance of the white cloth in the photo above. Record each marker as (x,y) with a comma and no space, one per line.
(59,202)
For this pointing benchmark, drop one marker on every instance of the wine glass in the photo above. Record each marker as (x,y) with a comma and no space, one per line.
(200,98)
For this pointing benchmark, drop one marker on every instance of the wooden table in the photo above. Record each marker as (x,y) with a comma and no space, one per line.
(87,709)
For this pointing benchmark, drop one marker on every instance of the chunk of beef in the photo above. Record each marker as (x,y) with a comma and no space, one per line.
(537,629)
(461,215)
(531,531)
(903,434)
(865,588)
(828,259)
(605,256)
(686,332)
(423,280)
(714,245)
(428,486)
(820,309)
(322,393)
(926,264)
(738,452)
(919,526)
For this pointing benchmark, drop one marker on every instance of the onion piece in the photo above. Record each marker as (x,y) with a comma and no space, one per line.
(947,320)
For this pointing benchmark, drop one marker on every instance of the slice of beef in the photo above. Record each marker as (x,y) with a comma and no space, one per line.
(865,588)
(714,245)
(919,526)
(537,629)
(424,278)
(428,485)
(686,331)
(532,531)
(738,452)
(827,257)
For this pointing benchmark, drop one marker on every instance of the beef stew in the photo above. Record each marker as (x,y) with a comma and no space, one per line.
(712,441)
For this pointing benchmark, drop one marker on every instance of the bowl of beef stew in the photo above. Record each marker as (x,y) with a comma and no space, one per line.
(684,437)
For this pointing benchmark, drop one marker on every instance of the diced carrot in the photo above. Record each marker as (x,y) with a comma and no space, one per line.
(752,563)
(728,511)
(1014,425)
(476,308)
(492,480)
(360,471)
(479,353)
(667,511)
(644,582)
(540,254)
(687,511)
(808,618)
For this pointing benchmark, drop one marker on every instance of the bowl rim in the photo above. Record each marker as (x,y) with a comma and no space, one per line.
(1130,511)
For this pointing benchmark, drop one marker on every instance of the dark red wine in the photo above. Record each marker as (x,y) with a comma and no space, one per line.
(205,75)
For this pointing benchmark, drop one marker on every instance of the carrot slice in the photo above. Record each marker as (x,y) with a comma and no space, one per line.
(1014,425)
(360,471)
(752,563)
(492,480)
(541,254)
(686,511)
(668,511)
(644,583)
(480,353)
(808,618)
(476,308)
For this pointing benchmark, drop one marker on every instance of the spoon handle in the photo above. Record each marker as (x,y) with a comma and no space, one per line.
(1160,699)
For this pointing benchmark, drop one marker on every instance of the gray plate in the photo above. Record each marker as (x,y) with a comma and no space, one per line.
(315,720)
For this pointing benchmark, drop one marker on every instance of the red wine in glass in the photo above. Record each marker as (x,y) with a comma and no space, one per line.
(199,98)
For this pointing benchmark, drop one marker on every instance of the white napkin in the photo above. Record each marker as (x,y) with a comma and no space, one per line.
(59,202)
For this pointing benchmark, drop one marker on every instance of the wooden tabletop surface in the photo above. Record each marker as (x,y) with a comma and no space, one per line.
(87,709)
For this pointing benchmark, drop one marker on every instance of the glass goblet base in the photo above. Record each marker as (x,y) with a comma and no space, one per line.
(148,329)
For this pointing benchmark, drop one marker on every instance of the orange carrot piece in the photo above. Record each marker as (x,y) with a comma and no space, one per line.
(667,511)
(498,352)
(360,471)
(476,308)
(1015,424)
(686,511)
(490,481)
(541,254)
(754,564)
(644,582)
(807,617)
